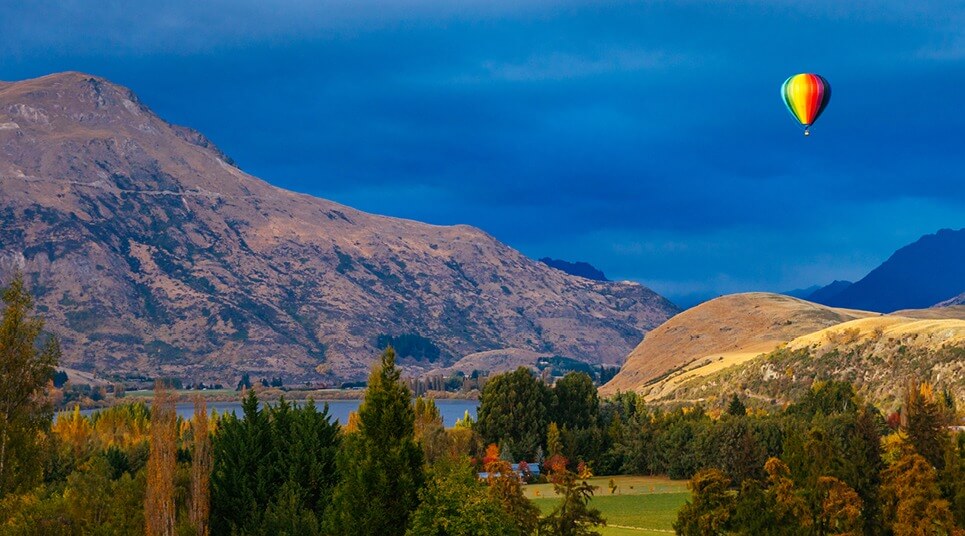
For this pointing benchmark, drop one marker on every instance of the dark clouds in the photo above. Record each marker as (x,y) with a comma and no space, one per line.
(647,138)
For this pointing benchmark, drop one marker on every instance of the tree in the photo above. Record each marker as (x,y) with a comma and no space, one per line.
(454,503)
(736,407)
(274,470)
(577,403)
(573,516)
(200,468)
(27,362)
(507,490)
(430,432)
(513,408)
(381,465)
(923,423)
(159,512)
(710,508)
(911,498)
(554,445)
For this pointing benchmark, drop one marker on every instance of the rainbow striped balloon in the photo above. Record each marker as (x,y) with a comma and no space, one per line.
(806,95)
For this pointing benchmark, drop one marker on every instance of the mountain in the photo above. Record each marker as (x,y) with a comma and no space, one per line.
(150,253)
(579,268)
(918,275)
(826,294)
(719,333)
(957,300)
(801,293)
(772,347)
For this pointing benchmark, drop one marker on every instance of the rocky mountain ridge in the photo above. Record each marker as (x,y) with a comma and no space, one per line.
(150,253)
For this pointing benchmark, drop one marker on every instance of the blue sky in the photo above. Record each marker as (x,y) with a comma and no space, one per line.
(647,138)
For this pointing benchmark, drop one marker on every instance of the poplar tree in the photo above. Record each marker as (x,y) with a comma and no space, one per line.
(200,468)
(381,464)
(159,513)
(27,364)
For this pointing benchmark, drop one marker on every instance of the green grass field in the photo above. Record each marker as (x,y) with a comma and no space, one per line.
(640,505)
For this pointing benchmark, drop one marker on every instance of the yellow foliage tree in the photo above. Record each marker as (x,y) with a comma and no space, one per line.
(159,512)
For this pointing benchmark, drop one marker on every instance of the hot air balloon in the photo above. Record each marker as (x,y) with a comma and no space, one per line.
(806,95)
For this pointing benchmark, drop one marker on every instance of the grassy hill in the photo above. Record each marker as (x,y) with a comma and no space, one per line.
(772,348)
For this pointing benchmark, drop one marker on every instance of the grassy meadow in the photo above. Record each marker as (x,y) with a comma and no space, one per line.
(640,505)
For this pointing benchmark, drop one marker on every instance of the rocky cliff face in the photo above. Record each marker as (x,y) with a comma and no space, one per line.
(151,253)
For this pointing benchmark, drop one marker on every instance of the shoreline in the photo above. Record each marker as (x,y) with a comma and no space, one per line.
(264,395)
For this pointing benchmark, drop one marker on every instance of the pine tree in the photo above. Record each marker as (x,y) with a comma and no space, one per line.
(238,487)
(736,407)
(381,465)
(26,367)
(159,513)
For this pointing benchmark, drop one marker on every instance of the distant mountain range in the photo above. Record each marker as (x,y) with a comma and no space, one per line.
(151,253)
(579,268)
(922,274)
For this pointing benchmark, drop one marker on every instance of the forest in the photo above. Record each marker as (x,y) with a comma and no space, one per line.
(828,464)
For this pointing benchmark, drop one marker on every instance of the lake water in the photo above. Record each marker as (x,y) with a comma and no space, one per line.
(451,410)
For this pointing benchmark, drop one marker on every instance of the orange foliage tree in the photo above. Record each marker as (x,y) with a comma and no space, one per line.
(159,512)
(200,468)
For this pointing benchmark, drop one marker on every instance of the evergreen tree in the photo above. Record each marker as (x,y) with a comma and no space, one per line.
(274,470)
(710,508)
(736,407)
(239,486)
(577,404)
(381,465)
(513,407)
(573,516)
(27,364)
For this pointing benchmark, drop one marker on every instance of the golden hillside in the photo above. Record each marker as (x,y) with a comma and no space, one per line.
(718,334)
(878,355)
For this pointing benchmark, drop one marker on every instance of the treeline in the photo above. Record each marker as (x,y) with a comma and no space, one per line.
(829,464)
(841,469)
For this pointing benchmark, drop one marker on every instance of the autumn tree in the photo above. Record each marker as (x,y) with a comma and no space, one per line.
(159,511)
(711,505)
(27,361)
(430,432)
(506,489)
(911,498)
(200,507)
(454,503)
(923,423)
(381,465)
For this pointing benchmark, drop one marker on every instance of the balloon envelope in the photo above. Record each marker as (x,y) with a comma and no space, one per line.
(806,95)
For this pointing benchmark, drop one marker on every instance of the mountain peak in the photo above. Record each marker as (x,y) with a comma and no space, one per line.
(154,255)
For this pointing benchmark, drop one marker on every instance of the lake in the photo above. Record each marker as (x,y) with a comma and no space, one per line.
(451,410)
